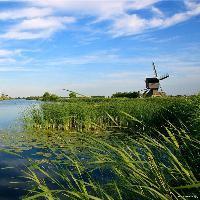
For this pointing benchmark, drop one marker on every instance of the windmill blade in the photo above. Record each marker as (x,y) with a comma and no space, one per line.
(164,77)
(154,69)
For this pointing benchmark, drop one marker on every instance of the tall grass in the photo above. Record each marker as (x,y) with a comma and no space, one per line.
(161,161)
(142,168)
(109,115)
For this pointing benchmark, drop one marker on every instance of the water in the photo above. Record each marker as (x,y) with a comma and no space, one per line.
(12,110)
(36,145)
(11,166)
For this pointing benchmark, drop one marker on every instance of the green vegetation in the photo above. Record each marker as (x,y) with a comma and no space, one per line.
(4,97)
(116,114)
(49,97)
(118,167)
(72,95)
(114,148)
(33,98)
(126,95)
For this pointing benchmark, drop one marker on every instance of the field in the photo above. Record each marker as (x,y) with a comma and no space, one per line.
(116,149)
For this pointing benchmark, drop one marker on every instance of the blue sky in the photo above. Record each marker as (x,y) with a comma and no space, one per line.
(98,47)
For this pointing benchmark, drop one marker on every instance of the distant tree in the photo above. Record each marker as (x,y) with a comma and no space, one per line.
(97,96)
(49,97)
(126,95)
(4,97)
(46,96)
(72,95)
(32,98)
(54,97)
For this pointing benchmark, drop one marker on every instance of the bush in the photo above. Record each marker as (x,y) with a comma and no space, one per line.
(49,97)
(126,95)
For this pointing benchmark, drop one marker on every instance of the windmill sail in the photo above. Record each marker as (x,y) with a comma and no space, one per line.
(154,69)
(164,77)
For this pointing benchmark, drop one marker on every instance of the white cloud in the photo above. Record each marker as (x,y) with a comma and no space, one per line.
(181,17)
(102,9)
(7,60)
(33,23)
(122,22)
(4,53)
(134,24)
(24,35)
(128,25)
(191,4)
(42,18)
(8,56)
(95,6)
(37,28)
(157,11)
(11,58)
(31,12)
(8,53)
(15,69)
(137,5)
(52,23)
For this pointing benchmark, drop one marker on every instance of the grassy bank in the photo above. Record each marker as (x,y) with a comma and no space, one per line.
(116,114)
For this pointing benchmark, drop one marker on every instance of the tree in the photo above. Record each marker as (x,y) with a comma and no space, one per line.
(72,95)
(49,97)
(54,97)
(46,96)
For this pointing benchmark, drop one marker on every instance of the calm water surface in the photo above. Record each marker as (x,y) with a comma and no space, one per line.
(11,183)
(11,111)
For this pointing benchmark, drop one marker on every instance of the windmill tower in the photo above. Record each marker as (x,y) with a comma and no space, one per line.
(153,84)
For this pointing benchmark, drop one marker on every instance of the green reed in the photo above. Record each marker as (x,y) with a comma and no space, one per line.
(120,149)
(128,168)
(80,115)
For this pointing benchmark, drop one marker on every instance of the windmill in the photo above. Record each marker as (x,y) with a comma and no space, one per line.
(153,84)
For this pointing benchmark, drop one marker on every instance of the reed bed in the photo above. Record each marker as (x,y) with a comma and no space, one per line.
(114,114)
(165,168)
(123,149)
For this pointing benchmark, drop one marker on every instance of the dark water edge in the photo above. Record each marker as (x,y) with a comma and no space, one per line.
(12,181)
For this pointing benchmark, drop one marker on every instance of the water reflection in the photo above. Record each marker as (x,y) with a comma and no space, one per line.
(12,184)
(39,147)
(11,177)
(11,110)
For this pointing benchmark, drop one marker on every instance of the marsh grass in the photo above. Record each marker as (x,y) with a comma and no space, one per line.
(123,149)
(83,116)
(142,168)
